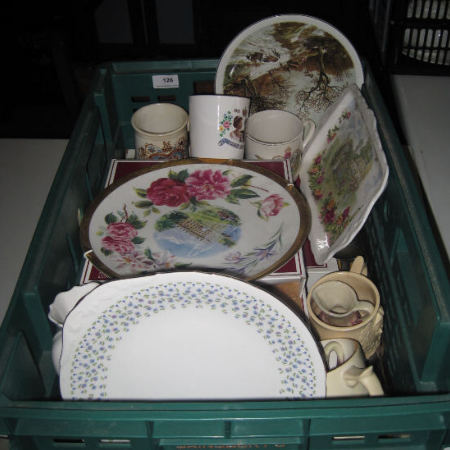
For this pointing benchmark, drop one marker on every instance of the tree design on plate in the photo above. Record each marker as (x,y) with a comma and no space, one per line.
(294,66)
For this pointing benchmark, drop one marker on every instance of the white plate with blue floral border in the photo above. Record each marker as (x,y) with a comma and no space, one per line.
(187,336)
(297,63)
(343,173)
(223,216)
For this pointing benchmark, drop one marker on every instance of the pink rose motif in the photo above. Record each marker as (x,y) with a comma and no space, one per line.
(122,231)
(207,185)
(271,206)
(166,191)
(329,217)
(117,245)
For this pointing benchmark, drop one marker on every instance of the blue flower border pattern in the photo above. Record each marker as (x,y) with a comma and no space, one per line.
(89,371)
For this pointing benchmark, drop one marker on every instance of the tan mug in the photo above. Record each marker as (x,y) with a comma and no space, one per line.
(348,375)
(161,132)
(277,134)
(367,331)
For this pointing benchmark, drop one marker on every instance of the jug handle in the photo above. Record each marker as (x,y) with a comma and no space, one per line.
(336,347)
(359,266)
(364,305)
(366,377)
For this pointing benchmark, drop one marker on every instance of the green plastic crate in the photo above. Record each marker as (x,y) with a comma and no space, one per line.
(404,261)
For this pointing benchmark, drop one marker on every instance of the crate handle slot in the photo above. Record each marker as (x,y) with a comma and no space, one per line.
(114,443)
(348,441)
(394,436)
(140,98)
(167,98)
(69,443)
(348,438)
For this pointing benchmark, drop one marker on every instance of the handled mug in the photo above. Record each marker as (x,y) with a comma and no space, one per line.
(278,134)
(367,331)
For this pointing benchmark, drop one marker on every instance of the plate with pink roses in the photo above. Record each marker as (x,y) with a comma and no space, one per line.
(223,216)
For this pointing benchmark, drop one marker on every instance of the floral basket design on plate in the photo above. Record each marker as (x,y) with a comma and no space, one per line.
(349,169)
(297,63)
(343,173)
(197,215)
(112,342)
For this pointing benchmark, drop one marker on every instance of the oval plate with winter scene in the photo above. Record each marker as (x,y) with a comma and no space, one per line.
(292,62)
(229,217)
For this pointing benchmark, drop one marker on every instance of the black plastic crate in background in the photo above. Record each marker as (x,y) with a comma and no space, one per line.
(413,36)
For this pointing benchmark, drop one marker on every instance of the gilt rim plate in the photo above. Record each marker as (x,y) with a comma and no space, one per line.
(187,336)
(293,62)
(212,215)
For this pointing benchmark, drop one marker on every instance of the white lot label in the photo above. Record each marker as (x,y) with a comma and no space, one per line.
(165,81)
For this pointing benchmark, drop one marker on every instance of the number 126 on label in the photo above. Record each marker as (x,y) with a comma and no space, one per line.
(165,81)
